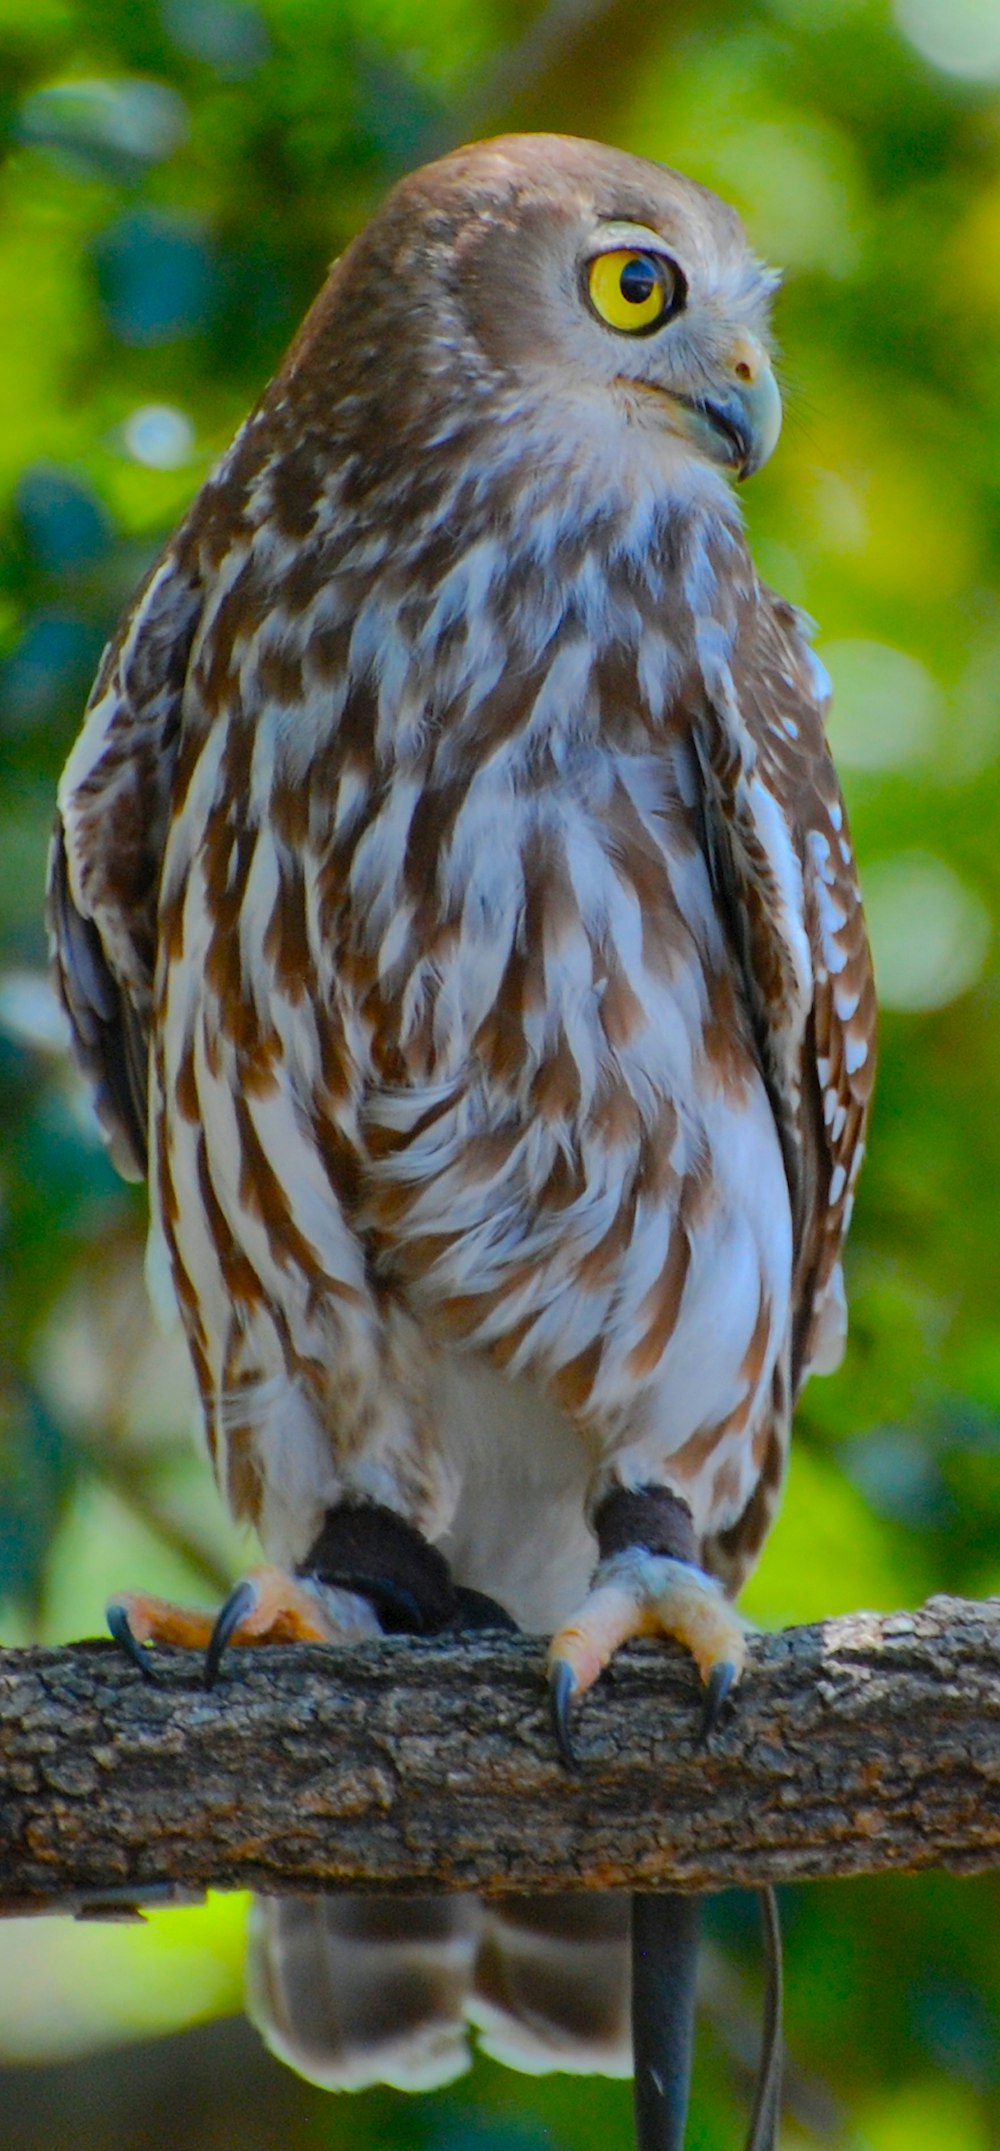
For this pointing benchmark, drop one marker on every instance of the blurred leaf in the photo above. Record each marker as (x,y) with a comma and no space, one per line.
(37,1470)
(111,128)
(156,277)
(65,525)
(49,671)
(228,35)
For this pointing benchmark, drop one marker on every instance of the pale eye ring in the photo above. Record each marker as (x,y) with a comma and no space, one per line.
(633,290)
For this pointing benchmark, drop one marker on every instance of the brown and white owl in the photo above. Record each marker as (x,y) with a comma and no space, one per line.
(456,915)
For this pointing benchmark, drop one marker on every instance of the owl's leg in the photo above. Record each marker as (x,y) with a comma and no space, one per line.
(647,1583)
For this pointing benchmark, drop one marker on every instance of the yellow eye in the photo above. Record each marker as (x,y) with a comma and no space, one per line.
(634,291)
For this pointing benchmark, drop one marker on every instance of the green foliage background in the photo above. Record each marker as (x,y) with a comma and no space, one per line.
(174,179)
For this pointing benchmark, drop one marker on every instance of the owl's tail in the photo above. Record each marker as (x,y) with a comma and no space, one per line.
(353,1991)
(551,1988)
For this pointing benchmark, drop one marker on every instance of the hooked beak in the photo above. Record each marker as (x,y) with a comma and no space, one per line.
(738,427)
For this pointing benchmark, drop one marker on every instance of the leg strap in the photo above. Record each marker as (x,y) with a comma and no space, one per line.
(369,1549)
(647,1516)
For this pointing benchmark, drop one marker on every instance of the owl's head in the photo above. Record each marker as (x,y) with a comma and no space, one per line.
(604,301)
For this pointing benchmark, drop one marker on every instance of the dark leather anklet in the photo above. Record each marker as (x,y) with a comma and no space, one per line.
(647,1516)
(367,1548)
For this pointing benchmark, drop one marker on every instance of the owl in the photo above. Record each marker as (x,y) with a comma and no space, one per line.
(455,911)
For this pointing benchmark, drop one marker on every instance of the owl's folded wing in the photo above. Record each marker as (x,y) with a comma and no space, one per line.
(784,869)
(107,848)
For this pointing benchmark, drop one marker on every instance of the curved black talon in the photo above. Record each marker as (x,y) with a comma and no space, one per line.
(120,1628)
(720,1681)
(240,1602)
(562,1688)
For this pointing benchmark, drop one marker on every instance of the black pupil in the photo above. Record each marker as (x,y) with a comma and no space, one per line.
(638,280)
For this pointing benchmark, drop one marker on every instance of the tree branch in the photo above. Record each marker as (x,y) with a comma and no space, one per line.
(866,1744)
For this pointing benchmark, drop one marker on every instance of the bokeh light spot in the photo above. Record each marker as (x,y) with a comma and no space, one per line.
(885,705)
(930,934)
(159,436)
(962,37)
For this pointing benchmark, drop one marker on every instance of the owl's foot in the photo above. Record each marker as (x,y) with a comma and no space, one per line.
(369,1573)
(267,1606)
(647,1583)
(644,1594)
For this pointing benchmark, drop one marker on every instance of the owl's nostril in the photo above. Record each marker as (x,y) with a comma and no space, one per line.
(746,358)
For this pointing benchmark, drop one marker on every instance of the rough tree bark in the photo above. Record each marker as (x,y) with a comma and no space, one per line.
(868,1743)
